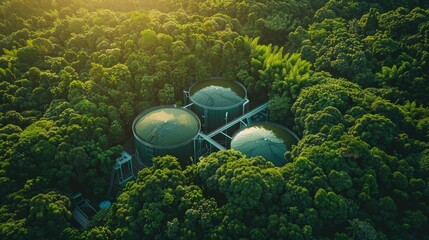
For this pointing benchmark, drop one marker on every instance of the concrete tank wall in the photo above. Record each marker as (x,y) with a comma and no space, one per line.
(183,153)
(165,130)
(217,101)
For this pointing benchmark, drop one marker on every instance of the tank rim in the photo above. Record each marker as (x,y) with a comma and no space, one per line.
(145,112)
(244,98)
(267,122)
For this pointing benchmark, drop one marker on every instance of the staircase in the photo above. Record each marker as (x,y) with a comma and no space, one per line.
(81,218)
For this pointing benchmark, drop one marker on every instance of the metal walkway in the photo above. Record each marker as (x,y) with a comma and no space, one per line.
(211,141)
(238,120)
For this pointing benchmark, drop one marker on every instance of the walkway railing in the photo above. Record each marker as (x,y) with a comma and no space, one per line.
(251,113)
(211,141)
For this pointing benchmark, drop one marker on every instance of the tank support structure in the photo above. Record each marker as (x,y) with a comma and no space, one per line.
(124,168)
(82,211)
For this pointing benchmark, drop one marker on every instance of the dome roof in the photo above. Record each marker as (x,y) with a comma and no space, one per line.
(217,94)
(268,140)
(166,126)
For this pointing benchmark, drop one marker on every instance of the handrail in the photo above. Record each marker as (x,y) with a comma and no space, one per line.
(239,119)
(212,142)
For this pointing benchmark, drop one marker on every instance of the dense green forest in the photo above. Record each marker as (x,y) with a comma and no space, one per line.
(350,77)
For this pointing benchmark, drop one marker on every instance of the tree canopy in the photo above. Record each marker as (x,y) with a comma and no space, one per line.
(349,77)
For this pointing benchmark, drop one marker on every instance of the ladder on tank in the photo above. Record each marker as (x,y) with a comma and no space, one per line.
(149,153)
(205,120)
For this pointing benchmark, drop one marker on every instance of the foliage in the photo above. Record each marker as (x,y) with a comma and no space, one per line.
(350,77)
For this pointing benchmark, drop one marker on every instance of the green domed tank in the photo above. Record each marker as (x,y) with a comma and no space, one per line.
(217,101)
(268,140)
(161,131)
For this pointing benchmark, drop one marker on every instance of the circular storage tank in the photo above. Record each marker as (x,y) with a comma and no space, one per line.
(268,140)
(161,131)
(217,101)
